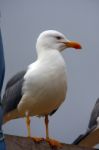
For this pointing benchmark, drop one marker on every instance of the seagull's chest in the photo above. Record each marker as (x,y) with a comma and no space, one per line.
(45,86)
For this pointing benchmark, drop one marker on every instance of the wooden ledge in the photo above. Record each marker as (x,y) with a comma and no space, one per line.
(24,143)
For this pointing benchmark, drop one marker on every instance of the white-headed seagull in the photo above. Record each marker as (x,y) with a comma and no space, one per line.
(42,88)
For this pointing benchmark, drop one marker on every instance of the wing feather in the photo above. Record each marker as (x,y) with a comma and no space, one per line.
(13,92)
(94,115)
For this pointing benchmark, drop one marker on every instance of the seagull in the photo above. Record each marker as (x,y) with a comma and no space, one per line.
(92,130)
(94,115)
(41,88)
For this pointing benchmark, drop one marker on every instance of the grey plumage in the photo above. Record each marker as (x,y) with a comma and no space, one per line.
(83,136)
(94,115)
(92,123)
(13,92)
(53,112)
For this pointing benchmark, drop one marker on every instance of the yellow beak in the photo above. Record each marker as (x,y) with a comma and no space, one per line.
(73,44)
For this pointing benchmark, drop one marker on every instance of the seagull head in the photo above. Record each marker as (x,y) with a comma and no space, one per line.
(51,39)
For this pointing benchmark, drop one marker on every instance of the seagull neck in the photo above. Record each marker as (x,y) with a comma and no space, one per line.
(45,53)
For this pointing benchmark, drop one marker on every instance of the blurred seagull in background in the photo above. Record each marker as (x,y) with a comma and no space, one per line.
(94,116)
(91,137)
(42,88)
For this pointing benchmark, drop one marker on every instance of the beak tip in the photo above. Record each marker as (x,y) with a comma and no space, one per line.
(78,47)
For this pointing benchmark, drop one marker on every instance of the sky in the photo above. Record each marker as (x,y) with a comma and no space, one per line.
(21,23)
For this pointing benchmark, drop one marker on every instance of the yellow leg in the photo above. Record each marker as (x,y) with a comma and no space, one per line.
(28,124)
(35,139)
(52,142)
(46,125)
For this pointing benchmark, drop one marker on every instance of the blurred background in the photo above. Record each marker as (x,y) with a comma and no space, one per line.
(21,23)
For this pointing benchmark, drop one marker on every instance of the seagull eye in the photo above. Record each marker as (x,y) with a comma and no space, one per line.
(58,37)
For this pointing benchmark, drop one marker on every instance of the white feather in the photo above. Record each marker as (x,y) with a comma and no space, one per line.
(45,85)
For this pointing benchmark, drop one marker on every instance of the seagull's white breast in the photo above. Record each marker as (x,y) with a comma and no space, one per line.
(45,85)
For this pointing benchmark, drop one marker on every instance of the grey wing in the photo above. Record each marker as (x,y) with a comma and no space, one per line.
(13,92)
(53,112)
(83,136)
(94,115)
(15,78)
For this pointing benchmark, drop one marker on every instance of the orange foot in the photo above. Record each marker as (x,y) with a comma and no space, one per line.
(54,143)
(37,139)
